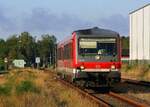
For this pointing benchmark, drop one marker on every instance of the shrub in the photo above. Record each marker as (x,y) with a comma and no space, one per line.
(27,86)
(5,89)
(128,67)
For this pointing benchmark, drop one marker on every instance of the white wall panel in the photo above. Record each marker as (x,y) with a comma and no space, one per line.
(147,33)
(140,34)
(131,43)
(134,36)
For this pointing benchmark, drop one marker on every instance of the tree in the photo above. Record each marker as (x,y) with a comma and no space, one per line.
(125,46)
(46,48)
(27,47)
(12,47)
(3,51)
(3,48)
(125,42)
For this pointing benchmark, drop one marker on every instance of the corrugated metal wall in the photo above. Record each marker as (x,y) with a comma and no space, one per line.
(140,34)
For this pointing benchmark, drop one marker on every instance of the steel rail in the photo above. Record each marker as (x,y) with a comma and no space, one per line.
(136,82)
(127,100)
(100,102)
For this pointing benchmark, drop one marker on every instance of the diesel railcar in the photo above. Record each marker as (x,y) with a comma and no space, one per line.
(90,55)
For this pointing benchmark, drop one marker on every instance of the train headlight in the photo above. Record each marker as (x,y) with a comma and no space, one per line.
(113,67)
(81,67)
(97,57)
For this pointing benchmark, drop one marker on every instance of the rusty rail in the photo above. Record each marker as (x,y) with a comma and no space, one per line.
(86,94)
(127,100)
(142,83)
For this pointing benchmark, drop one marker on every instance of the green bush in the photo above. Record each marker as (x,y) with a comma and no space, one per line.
(2,64)
(1,68)
(27,86)
(129,67)
(5,89)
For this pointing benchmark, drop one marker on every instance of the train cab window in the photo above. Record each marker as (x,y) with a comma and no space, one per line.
(105,46)
(90,48)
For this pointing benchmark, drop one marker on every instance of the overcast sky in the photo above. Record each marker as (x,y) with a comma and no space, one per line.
(61,17)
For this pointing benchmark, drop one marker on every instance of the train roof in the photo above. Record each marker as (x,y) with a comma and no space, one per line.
(88,32)
(97,31)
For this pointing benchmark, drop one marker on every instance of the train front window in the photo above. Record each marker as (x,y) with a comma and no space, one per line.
(97,46)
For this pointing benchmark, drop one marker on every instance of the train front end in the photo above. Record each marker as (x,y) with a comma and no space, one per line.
(98,56)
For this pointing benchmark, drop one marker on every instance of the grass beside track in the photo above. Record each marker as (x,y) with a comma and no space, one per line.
(34,88)
(136,72)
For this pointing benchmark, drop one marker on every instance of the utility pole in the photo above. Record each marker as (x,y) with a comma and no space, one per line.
(34,46)
(54,55)
(50,59)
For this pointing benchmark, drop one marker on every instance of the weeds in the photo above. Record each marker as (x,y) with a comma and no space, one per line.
(137,71)
(27,86)
(128,67)
(5,89)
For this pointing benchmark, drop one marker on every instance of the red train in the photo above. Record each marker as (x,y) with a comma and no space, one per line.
(90,55)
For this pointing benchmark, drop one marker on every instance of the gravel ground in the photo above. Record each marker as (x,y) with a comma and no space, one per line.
(113,101)
(102,93)
(139,93)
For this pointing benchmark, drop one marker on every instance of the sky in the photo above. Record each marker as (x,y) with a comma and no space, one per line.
(62,17)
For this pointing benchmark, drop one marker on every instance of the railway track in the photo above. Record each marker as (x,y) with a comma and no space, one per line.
(133,89)
(4,72)
(85,93)
(102,99)
(127,100)
(142,83)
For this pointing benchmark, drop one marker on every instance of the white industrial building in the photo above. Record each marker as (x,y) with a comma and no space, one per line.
(140,34)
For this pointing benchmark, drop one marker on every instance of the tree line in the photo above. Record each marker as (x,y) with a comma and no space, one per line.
(25,46)
(125,45)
